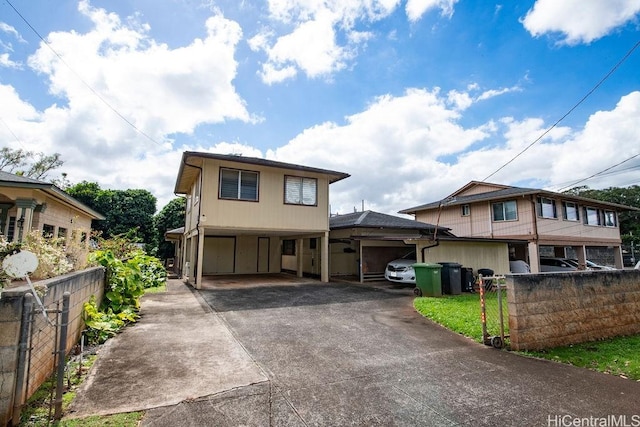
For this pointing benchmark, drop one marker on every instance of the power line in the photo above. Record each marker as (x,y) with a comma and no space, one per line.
(624,58)
(104,101)
(602,172)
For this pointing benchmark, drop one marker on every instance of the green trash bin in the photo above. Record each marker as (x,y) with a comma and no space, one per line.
(428,280)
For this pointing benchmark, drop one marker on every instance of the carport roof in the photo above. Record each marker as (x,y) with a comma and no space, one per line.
(371,219)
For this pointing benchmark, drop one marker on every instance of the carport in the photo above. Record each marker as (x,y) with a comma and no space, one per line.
(362,243)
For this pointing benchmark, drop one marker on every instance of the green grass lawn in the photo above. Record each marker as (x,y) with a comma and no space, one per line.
(617,356)
(461,313)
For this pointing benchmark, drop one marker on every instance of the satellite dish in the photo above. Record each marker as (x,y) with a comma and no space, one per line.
(21,264)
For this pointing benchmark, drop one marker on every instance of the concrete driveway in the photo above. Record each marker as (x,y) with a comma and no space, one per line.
(343,354)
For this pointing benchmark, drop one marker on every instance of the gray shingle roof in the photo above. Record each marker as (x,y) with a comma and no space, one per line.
(370,219)
(507,193)
(8,179)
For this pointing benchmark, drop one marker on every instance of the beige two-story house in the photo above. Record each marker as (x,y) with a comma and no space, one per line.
(246,215)
(28,204)
(546,222)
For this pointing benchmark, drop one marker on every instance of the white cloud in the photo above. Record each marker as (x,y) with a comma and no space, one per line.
(160,90)
(397,151)
(491,93)
(6,28)
(8,63)
(416,8)
(463,100)
(579,21)
(311,45)
(608,138)
(7,47)
(411,149)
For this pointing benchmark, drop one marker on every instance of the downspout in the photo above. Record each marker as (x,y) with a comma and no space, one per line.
(535,220)
(437,242)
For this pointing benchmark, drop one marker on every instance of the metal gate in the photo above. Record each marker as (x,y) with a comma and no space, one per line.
(43,340)
(494,310)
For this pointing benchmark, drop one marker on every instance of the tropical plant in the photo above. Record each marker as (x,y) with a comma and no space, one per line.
(126,281)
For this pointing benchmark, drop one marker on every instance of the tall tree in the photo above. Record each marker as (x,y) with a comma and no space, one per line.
(171,216)
(27,163)
(125,211)
(628,196)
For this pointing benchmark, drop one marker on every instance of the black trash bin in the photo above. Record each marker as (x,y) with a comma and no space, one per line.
(486,272)
(451,280)
(466,275)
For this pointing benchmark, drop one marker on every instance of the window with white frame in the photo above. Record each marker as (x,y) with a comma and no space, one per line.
(465,210)
(505,211)
(610,219)
(238,185)
(570,211)
(546,208)
(300,191)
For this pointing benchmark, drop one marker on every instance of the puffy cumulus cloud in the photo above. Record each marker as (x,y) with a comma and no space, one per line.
(416,8)
(113,74)
(608,138)
(311,45)
(403,151)
(159,90)
(397,151)
(579,21)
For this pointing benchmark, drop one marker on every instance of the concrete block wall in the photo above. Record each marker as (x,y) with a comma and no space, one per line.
(556,309)
(81,285)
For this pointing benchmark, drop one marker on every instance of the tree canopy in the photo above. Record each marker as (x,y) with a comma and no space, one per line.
(169,218)
(126,211)
(628,196)
(28,163)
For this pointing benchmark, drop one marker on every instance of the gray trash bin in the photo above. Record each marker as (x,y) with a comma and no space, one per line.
(451,278)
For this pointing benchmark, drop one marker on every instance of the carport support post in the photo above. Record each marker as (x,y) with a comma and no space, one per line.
(324,258)
(534,257)
(300,256)
(199,258)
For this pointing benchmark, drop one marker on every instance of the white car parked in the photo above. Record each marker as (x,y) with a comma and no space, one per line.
(401,270)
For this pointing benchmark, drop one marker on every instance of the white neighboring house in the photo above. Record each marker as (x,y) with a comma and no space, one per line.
(240,211)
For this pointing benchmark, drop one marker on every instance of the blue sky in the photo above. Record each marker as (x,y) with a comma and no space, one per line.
(412,98)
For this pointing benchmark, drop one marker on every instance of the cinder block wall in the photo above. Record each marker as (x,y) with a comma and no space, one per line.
(555,309)
(81,285)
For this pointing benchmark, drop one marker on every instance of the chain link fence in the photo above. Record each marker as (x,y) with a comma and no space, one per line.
(494,310)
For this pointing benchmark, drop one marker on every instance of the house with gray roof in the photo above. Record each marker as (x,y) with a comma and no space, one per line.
(539,222)
(28,204)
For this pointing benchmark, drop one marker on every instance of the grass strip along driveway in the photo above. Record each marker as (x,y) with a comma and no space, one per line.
(461,313)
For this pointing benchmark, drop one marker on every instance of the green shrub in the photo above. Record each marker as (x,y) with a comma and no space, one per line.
(125,283)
